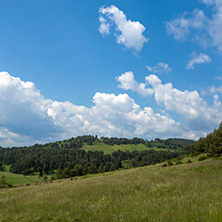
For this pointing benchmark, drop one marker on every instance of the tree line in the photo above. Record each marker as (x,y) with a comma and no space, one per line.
(65,158)
(77,162)
(211,144)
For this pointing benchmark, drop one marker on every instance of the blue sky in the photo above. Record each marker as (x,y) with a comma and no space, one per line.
(112,68)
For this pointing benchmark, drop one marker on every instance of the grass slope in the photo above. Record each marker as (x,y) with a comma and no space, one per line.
(108,149)
(188,192)
(18,179)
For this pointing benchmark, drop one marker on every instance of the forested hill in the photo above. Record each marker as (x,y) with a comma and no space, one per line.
(78,142)
(78,156)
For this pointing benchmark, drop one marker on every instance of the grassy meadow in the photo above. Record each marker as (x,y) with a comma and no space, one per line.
(186,192)
(18,179)
(108,149)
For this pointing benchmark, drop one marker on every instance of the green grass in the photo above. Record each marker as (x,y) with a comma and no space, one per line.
(7,168)
(18,179)
(108,149)
(186,192)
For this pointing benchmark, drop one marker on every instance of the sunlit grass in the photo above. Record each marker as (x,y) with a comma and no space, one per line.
(187,192)
(18,179)
(108,149)
(7,168)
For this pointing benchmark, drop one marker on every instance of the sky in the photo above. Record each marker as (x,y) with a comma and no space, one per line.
(139,68)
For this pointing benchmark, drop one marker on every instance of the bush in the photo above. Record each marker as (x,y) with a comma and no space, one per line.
(164,165)
(180,158)
(201,158)
(178,162)
(52,177)
(45,178)
(189,161)
(169,162)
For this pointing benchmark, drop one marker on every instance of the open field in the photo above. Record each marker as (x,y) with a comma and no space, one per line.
(108,149)
(187,192)
(18,179)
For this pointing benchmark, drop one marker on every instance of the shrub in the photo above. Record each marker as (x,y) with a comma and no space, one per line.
(201,158)
(45,178)
(178,162)
(180,158)
(164,165)
(169,162)
(52,177)
(189,161)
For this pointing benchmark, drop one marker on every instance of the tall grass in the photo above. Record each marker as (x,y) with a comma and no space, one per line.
(187,192)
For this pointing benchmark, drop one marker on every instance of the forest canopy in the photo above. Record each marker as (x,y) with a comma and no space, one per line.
(67,158)
(211,144)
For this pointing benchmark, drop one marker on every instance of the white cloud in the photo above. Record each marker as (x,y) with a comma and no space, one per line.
(127,82)
(189,104)
(215,25)
(214,89)
(198,27)
(160,68)
(183,27)
(26,117)
(128,33)
(198,59)
(104,26)
(207,2)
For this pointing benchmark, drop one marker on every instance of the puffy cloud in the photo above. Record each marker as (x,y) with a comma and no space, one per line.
(128,33)
(198,27)
(26,117)
(104,26)
(160,68)
(22,106)
(198,59)
(127,82)
(198,115)
(8,138)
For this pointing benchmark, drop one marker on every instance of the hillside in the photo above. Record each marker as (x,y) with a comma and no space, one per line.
(108,149)
(187,192)
(89,154)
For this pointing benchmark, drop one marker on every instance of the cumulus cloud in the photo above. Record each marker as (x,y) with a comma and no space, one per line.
(127,82)
(198,59)
(160,68)
(26,117)
(196,26)
(189,104)
(128,33)
(22,99)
